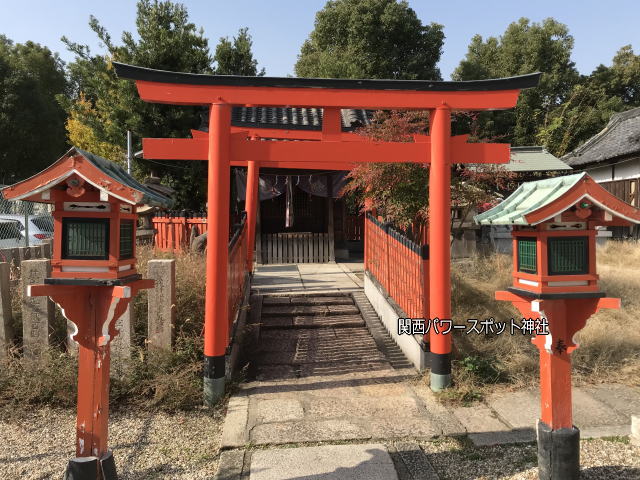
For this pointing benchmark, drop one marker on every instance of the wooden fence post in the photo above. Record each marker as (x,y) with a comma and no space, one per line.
(162,304)
(6,316)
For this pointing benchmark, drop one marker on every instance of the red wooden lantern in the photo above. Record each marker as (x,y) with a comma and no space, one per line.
(93,279)
(554,277)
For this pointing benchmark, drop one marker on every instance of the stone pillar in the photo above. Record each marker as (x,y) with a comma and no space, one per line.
(36,251)
(24,253)
(47,247)
(37,312)
(635,430)
(122,343)
(6,316)
(162,304)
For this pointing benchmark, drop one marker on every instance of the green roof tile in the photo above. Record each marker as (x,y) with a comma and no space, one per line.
(529,197)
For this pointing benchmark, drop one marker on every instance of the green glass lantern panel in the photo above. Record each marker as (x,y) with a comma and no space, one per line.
(126,239)
(568,255)
(527,255)
(85,238)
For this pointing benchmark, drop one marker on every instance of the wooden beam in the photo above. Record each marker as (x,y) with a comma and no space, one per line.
(184,94)
(318,154)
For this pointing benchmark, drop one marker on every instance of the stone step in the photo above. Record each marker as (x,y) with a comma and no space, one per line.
(302,300)
(311,321)
(284,372)
(315,310)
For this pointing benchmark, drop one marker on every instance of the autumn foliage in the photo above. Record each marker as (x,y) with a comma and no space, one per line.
(400,191)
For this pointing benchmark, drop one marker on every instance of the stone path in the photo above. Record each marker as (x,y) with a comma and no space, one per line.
(323,370)
(307,277)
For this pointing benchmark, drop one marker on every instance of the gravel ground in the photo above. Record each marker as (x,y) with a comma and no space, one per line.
(601,459)
(38,444)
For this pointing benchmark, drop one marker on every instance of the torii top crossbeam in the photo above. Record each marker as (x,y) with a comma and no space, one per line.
(224,146)
(160,86)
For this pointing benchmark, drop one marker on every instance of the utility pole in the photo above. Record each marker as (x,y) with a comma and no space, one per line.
(129,151)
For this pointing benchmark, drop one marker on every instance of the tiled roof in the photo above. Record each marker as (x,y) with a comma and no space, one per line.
(620,138)
(529,197)
(533,159)
(291,118)
(116,172)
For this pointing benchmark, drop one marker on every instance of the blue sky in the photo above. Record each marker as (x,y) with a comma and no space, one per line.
(279,27)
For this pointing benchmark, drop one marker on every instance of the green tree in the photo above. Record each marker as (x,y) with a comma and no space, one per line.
(105,107)
(31,119)
(378,39)
(592,102)
(525,47)
(371,39)
(235,57)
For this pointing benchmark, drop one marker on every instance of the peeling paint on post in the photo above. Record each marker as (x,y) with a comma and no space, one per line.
(37,312)
(162,304)
(6,316)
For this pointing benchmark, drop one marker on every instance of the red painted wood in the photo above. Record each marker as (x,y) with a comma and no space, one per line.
(181,94)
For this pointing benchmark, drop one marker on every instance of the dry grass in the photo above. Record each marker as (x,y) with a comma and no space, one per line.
(157,380)
(609,344)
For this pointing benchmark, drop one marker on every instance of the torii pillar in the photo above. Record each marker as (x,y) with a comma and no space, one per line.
(251,205)
(216,315)
(440,245)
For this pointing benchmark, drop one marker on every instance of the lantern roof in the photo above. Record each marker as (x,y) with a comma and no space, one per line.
(108,177)
(535,202)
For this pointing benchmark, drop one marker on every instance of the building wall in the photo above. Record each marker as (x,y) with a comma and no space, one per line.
(626,170)
(620,171)
(602,174)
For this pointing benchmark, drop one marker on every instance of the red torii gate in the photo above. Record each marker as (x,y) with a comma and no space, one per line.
(225,146)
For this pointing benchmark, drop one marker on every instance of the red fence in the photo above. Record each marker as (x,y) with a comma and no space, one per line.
(400,265)
(173,232)
(237,267)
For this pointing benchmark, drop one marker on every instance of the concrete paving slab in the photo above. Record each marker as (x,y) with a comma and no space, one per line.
(392,407)
(230,465)
(442,416)
(277,410)
(391,428)
(479,418)
(307,431)
(328,462)
(319,268)
(589,412)
(622,398)
(520,409)
(235,423)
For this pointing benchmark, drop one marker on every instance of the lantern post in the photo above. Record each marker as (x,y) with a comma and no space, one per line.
(555,285)
(93,280)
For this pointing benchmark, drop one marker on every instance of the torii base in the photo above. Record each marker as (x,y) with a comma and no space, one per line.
(558,453)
